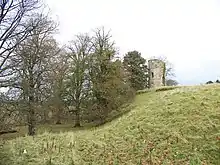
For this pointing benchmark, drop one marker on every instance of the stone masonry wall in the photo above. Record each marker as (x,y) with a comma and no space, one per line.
(156,73)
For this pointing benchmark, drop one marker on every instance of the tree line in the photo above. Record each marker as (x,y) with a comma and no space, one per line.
(211,82)
(45,80)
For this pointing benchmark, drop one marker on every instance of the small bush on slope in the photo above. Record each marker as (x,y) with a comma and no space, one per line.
(179,126)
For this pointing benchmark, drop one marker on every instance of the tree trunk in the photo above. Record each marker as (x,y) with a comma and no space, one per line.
(45,120)
(31,114)
(77,122)
(58,116)
(31,119)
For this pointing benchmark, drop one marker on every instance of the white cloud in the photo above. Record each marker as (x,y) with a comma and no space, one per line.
(185,31)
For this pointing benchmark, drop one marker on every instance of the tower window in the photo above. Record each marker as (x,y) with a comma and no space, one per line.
(152,74)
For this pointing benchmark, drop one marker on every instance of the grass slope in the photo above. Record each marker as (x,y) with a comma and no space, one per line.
(180,126)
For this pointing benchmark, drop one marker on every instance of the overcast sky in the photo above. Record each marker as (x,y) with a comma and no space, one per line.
(187,32)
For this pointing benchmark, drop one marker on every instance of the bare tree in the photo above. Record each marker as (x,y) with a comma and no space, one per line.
(13,30)
(169,66)
(77,78)
(34,56)
(59,67)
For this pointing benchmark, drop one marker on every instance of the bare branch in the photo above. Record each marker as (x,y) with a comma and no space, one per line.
(13,29)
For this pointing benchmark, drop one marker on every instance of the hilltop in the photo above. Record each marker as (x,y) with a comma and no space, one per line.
(179,126)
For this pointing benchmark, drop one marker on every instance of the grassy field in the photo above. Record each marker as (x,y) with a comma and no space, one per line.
(179,126)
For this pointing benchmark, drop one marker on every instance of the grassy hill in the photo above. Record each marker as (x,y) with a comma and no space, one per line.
(180,126)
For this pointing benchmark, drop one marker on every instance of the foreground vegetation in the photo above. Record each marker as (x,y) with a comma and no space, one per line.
(179,126)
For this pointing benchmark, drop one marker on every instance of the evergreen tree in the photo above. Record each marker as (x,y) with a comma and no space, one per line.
(136,67)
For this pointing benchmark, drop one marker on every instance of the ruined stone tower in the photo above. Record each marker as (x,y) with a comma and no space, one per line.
(156,73)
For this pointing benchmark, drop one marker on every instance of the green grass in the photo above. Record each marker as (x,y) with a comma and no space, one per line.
(49,128)
(179,126)
(159,89)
